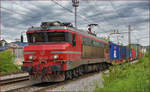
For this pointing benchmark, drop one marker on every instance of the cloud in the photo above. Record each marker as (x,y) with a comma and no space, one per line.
(109,15)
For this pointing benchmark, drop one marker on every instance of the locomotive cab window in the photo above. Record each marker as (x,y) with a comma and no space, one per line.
(56,36)
(36,37)
(50,37)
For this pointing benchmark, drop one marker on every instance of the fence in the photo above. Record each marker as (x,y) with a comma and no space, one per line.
(19,56)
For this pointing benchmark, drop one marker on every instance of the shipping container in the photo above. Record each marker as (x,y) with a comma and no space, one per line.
(130,54)
(127,53)
(114,51)
(136,53)
(122,52)
(133,54)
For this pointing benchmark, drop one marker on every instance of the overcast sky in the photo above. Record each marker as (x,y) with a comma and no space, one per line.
(18,16)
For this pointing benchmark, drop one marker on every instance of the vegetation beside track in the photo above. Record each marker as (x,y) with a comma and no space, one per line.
(128,77)
(6,62)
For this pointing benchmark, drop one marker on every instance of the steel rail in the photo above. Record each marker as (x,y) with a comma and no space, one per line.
(13,77)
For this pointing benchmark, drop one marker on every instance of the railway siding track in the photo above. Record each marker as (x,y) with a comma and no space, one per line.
(10,78)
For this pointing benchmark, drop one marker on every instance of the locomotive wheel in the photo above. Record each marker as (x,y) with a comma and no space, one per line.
(105,66)
(97,68)
(101,67)
(77,70)
(70,74)
(86,69)
(67,75)
(80,71)
(75,73)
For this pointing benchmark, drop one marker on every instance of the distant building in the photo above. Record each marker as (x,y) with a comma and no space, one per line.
(147,48)
(4,45)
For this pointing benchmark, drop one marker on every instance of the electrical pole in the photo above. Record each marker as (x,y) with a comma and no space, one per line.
(118,40)
(129,35)
(76,17)
(21,37)
(115,32)
(0,22)
(75,5)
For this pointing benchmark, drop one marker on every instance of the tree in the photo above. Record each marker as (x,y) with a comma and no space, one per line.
(6,62)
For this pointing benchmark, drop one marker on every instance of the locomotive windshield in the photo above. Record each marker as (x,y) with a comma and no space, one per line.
(49,37)
(56,36)
(36,37)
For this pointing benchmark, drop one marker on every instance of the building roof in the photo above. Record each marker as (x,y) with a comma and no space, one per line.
(4,48)
(20,44)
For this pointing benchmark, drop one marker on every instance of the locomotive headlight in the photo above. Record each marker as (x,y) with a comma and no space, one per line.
(30,57)
(55,56)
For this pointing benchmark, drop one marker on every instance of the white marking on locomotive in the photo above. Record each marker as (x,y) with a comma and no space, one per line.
(68,52)
(115,53)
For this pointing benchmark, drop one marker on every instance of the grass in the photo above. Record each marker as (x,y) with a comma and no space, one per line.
(6,62)
(128,77)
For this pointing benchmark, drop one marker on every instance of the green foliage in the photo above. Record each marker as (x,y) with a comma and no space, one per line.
(128,77)
(6,62)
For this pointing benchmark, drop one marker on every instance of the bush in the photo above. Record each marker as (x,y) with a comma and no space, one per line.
(6,62)
(128,77)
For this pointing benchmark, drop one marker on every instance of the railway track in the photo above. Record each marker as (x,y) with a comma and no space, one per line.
(13,77)
(40,87)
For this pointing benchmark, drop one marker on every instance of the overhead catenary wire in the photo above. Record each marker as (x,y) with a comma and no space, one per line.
(95,10)
(81,16)
(106,20)
(115,9)
(14,12)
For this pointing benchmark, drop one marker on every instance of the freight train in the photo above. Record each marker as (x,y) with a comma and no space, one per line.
(58,51)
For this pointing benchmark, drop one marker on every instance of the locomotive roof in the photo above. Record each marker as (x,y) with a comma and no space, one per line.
(66,28)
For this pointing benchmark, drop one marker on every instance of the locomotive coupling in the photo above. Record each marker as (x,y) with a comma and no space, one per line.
(56,68)
(27,69)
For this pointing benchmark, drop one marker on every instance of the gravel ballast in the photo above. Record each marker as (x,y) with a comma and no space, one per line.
(85,84)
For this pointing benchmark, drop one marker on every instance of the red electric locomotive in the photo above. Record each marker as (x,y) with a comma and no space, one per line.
(58,51)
